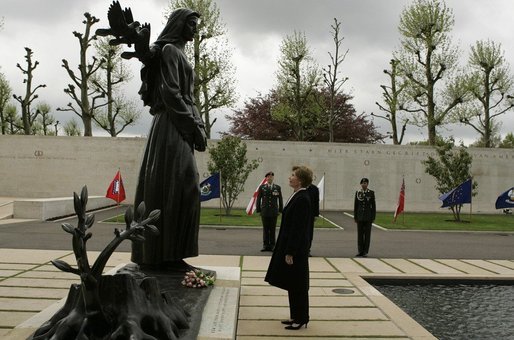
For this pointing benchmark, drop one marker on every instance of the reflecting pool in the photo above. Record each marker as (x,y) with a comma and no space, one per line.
(455,309)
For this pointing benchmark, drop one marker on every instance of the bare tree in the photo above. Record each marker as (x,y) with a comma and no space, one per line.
(392,96)
(118,113)
(85,98)
(27,116)
(331,76)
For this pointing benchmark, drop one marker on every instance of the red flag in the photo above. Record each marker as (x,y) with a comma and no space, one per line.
(251,205)
(116,191)
(401,201)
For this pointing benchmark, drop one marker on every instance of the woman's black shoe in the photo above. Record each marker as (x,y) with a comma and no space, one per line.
(296,326)
(287,322)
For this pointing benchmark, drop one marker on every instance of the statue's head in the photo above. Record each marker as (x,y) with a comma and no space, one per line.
(181,27)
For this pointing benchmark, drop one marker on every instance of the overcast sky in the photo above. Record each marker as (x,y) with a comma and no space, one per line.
(255,30)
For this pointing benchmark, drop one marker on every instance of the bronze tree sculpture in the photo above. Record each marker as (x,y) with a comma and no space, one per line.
(120,306)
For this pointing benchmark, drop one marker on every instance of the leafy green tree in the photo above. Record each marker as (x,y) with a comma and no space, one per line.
(331,78)
(5,96)
(72,128)
(393,99)
(298,77)
(44,121)
(451,167)
(83,95)
(119,112)
(491,85)
(28,116)
(211,56)
(228,158)
(428,58)
(255,121)
(13,122)
(507,142)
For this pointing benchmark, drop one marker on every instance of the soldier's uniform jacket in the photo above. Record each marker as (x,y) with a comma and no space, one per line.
(269,200)
(364,208)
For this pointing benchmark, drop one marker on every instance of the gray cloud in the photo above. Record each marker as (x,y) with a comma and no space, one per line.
(255,29)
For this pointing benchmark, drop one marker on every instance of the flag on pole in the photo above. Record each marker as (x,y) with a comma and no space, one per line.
(401,201)
(505,200)
(459,195)
(210,187)
(250,208)
(116,191)
(321,188)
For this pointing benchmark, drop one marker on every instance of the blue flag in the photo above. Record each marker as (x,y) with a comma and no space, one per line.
(459,195)
(210,188)
(505,200)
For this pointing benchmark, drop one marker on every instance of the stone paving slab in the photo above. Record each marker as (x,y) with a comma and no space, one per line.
(17,266)
(30,256)
(256,263)
(10,319)
(505,263)
(376,265)
(436,267)
(36,283)
(313,338)
(24,304)
(406,266)
(40,293)
(466,267)
(313,275)
(493,267)
(321,328)
(9,272)
(314,301)
(319,264)
(347,265)
(329,283)
(33,274)
(323,313)
(313,291)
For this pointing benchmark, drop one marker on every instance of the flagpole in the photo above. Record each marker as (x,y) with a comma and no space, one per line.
(118,200)
(323,218)
(221,196)
(471,200)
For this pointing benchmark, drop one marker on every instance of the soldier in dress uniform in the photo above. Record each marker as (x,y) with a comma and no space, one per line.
(364,212)
(269,205)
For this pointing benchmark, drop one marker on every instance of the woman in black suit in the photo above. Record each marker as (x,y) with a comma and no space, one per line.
(289,265)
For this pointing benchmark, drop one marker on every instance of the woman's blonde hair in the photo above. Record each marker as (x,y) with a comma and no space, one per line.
(304,174)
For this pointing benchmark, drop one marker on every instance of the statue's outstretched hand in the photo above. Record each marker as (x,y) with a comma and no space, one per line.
(200,138)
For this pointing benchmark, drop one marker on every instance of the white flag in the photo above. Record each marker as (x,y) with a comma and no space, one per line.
(321,188)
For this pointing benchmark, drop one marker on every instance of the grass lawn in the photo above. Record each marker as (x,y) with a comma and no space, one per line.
(238,217)
(412,221)
(439,221)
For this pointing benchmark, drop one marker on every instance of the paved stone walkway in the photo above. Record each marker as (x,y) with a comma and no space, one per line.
(29,283)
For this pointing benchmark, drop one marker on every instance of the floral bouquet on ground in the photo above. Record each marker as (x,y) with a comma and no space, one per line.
(197,279)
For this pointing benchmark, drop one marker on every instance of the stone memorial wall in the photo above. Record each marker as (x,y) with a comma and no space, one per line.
(47,167)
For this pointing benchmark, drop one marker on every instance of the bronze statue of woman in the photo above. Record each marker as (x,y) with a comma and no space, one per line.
(168,179)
